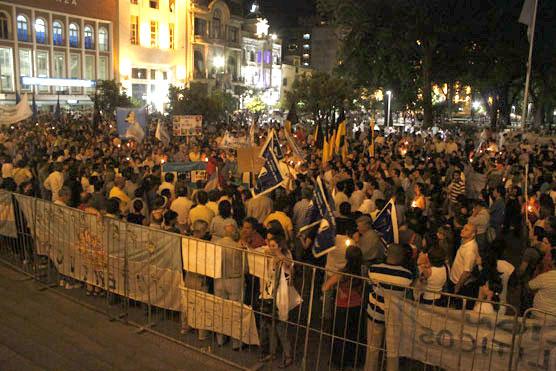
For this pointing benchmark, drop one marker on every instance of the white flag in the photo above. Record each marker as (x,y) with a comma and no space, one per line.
(527,14)
(161,133)
(12,114)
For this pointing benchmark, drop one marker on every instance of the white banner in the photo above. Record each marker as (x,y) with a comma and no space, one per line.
(451,340)
(231,318)
(7,216)
(19,112)
(187,125)
(201,257)
(260,265)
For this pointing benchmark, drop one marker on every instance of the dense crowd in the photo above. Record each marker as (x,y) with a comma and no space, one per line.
(476,211)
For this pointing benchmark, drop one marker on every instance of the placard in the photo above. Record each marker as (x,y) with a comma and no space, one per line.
(187,125)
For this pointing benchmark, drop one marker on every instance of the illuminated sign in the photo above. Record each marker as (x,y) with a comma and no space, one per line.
(68,2)
(44,81)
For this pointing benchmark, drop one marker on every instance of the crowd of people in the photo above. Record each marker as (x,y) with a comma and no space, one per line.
(475,213)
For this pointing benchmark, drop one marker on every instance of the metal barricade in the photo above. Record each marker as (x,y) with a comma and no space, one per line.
(227,301)
(536,345)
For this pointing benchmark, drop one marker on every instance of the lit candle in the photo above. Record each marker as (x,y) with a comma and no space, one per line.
(414,203)
(348,242)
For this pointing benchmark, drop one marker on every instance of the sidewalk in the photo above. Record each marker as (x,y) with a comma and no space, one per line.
(40,330)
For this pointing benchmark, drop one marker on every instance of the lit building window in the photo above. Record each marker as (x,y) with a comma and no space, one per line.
(306,46)
(59,68)
(75,70)
(40,31)
(57,33)
(73,35)
(306,36)
(306,56)
(171,35)
(88,37)
(4,26)
(232,34)
(103,39)
(134,30)
(42,67)
(89,72)
(200,27)
(154,34)
(6,70)
(25,65)
(139,73)
(153,4)
(103,68)
(216,24)
(22,28)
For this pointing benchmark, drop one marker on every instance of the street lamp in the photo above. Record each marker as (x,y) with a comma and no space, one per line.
(389,94)
(218,61)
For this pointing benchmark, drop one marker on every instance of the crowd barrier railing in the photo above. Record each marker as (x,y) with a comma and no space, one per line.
(237,306)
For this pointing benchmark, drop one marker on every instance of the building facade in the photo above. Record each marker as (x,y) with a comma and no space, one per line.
(292,70)
(152,48)
(261,68)
(45,44)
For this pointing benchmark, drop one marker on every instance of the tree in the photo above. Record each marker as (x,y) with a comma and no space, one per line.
(320,95)
(195,100)
(110,95)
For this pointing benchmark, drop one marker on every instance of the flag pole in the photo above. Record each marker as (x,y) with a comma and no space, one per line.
(529,66)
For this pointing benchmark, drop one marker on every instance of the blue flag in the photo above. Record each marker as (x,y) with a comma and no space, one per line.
(132,123)
(386,223)
(272,141)
(321,214)
(35,110)
(270,176)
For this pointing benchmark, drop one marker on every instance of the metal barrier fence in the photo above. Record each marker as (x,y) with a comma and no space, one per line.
(230,302)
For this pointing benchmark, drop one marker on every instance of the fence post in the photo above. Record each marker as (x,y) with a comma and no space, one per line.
(311,298)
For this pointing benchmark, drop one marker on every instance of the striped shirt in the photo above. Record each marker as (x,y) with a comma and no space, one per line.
(455,189)
(387,275)
(545,285)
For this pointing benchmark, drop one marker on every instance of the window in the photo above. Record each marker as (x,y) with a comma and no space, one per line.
(306,36)
(134,30)
(216,24)
(232,67)
(6,70)
(103,39)
(171,35)
(139,73)
(153,74)
(259,57)
(267,57)
(200,27)
(25,66)
(40,31)
(153,4)
(59,68)
(251,56)
(73,35)
(133,1)
(172,5)
(22,28)
(75,70)
(199,65)
(4,26)
(103,68)
(154,34)
(164,75)
(88,37)
(57,33)
(42,66)
(306,46)
(89,73)
(232,34)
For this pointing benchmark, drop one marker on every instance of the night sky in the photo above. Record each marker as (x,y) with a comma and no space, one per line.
(285,13)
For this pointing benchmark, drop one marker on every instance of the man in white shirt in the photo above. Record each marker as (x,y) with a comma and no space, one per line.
(167,184)
(357,197)
(464,262)
(55,181)
(181,205)
(259,207)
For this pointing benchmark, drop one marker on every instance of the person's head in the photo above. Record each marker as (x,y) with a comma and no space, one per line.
(202,197)
(345,208)
(418,189)
(137,206)
(181,191)
(499,192)
(275,230)
(119,182)
(364,224)
(491,290)
(231,231)
(200,229)
(225,209)
(249,226)
(170,218)
(456,176)
(169,177)
(113,206)
(396,254)
(380,203)
(306,193)
(437,256)
(354,259)
(277,245)
(214,195)
(468,232)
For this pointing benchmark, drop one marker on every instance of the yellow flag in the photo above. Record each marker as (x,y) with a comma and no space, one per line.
(340,137)
(332,144)
(345,149)
(325,150)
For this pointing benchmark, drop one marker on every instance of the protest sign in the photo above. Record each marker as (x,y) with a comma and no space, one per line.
(248,160)
(201,257)
(191,171)
(7,216)
(259,262)
(12,114)
(132,123)
(231,318)
(187,125)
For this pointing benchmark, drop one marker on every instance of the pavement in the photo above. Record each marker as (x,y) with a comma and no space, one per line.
(42,330)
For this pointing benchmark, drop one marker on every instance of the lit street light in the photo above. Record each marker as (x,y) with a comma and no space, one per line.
(218,61)
(389,94)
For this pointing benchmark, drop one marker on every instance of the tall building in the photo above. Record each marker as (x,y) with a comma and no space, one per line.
(261,69)
(292,70)
(153,48)
(325,44)
(214,43)
(56,48)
